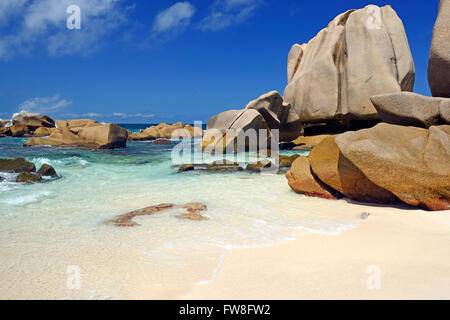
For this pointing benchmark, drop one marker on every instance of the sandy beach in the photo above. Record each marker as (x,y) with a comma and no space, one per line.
(410,247)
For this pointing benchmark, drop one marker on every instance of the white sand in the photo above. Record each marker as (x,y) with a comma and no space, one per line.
(411,248)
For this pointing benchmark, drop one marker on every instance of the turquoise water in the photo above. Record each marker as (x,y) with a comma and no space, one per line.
(46,227)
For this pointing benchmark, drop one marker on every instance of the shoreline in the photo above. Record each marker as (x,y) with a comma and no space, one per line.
(410,250)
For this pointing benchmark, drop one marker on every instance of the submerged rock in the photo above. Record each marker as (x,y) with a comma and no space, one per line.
(192,216)
(186,167)
(16,165)
(162,141)
(27,177)
(47,171)
(258,166)
(221,166)
(326,80)
(126,220)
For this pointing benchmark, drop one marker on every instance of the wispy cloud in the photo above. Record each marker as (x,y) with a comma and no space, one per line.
(173,20)
(44,104)
(224,13)
(132,115)
(24,24)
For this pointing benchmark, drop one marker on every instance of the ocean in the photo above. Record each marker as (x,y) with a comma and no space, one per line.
(49,229)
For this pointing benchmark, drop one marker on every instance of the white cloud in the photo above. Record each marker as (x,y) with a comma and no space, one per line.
(44,21)
(44,104)
(225,13)
(174,19)
(132,115)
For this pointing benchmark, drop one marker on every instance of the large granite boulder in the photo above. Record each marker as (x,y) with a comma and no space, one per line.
(225,132)
(277,115)
(444,111)
(100,136)
(412,163)
(16,165)
(33,120)
(439,60)
(410,109)
(303,181)
(361,53)
(336,171)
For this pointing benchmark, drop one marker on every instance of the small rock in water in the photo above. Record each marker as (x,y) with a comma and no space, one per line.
(192,216)
(16,165)
(47,171)
(28,177)
(125,220)
(365,215)
(162,141)
(186,167)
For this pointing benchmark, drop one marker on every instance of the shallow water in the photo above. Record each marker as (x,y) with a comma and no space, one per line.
(47,227)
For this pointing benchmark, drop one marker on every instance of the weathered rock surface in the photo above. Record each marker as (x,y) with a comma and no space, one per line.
(16,165)
(47,170)
(33,120)
(27,177)
(100,136)
(302,180)
(412,163)
(3,123)
(336,171)
(306,143)
(439,60)
(168,131)
(186,167)
(277,115)
(409,109)
(444,111)
(286,161)
(326,79)
(76,123)
(225,132)
(43,131)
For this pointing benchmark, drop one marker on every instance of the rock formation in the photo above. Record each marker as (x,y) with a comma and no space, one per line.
(382,164)
(168,131)
(360,54)
(439,60)
(411,109)
(99,136)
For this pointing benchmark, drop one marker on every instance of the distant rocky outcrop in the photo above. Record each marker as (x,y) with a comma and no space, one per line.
(383,164)
(411,109)
(76,123)
(25,125)
(33,120)
(3,123)
(98,136)
(360,54)
(167,131)
(439,60)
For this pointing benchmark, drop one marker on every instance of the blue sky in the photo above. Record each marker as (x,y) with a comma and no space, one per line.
(150,61)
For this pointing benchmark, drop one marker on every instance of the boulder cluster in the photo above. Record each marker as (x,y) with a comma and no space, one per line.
(26,170)
(349,101)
